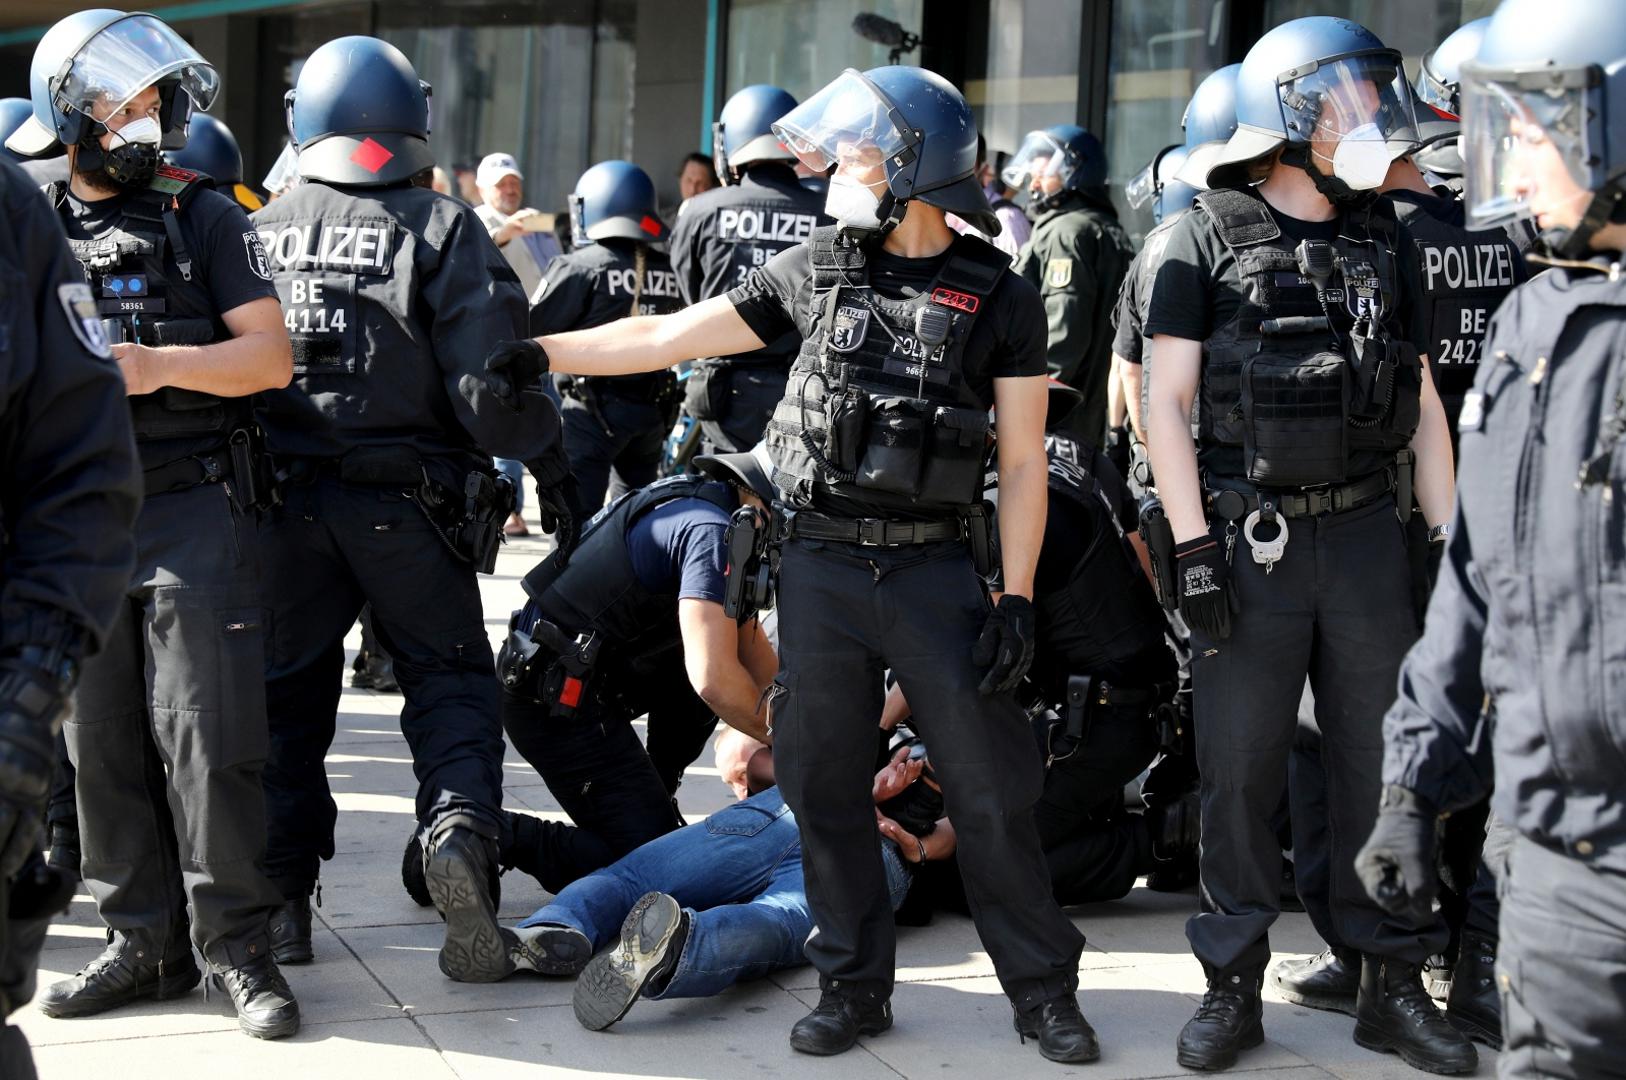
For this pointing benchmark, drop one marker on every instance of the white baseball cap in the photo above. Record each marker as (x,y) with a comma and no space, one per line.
(493,167)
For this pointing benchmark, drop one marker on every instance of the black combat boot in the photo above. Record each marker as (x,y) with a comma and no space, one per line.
(1395,1015)
(417,886)
(266,1008)
(1330,980)
(1228,1022)
(129,969)
(459,868)
(1059,1025)
(63,853)
(1475,1007)
(841,1015)
(290,930)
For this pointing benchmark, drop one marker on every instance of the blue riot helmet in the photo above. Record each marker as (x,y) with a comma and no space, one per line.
(359,115)
(1209,122)
(1544,121)
(1439,89)
(615,200)
(744,133)
(210,149)
(88,67)
(907,126)
(1330,92)
(13,112)
(1157,184)
(1066,152)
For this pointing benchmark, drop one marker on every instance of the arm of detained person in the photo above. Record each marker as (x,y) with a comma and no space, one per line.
(475,301)
(258,356)
(723,660)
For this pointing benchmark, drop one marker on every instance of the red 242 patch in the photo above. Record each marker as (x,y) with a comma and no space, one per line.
(958,300)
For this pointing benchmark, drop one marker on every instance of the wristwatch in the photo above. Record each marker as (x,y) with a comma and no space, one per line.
(1439,534)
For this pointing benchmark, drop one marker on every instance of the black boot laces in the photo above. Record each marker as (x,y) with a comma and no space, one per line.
(1223,1004)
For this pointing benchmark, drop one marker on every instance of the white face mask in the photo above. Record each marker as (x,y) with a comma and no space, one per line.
(1362,158)
(852,204)
(142,130)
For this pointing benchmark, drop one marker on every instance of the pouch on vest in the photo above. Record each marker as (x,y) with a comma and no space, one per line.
(895,451)
(957,443)
(1387,400)
(1295,418)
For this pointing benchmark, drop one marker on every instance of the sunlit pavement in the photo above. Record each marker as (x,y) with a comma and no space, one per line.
(375,1004)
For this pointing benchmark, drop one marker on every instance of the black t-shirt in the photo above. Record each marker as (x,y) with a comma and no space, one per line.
(1126,326)
(1007,340)
(226,252)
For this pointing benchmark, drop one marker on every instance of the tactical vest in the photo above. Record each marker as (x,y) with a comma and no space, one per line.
(598,590)
(1106,619)
(870,410)
(1303,388)
(149,291)
(1465,275)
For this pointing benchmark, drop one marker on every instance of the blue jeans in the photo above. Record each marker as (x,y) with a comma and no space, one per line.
(738,874)
(515,471)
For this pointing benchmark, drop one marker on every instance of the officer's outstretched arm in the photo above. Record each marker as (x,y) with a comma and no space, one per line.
(651,342)
(1024,471)
(1168,422)
(257,357)
(711,656)
(1436,471)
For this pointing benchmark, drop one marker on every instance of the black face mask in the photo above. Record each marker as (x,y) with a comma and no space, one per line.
(130,165)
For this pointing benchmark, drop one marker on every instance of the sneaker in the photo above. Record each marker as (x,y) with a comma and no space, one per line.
(128,970)
(549,950)
(266,1008)
(1229,1021)
(652,939)
(836,1022)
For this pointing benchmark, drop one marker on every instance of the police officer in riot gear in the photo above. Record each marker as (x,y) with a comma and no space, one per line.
(1279,308)
(211,149)
(1439,86)
(613,272)
(723,235)
(71,491)
(909,335)
(636,621)
(168,731)
(1076,258)
(385,440)
(1519,672)
(1175,178)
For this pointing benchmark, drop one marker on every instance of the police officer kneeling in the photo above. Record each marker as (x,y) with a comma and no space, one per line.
(65,556)
(909,335)
(386,437)
(1277,307)
(1520,675)
(722,235)
(171,714)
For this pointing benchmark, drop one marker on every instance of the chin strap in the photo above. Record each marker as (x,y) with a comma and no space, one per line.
(1576,243)
(1331,188)
(890,213)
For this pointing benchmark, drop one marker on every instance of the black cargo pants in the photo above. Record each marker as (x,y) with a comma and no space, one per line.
(331,547)
(846,614)
(168,736)
(1336,609)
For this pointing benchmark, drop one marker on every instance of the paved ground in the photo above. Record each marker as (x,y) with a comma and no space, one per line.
(376,1005)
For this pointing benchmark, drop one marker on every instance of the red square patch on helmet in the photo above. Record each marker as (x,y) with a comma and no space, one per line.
(958,300)
(371,155)
(650,226)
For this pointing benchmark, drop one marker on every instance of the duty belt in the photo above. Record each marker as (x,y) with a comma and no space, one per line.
(1233,505)
(871,532)
(187,472)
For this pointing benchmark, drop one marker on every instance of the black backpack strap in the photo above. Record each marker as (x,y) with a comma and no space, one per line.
(973,269)
(1240,217)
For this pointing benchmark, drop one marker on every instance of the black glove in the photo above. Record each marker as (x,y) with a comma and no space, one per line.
(1118,444)
(1206,596)
(559,509)
(1397,862)
(1006,644)
(511,367)
(33,686)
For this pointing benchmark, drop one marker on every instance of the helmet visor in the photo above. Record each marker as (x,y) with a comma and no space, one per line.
(1039,155)
(845,124)
(1143,188)
(125,58)
(1361,97)
(1529,143)
(1445,97)
(284,172)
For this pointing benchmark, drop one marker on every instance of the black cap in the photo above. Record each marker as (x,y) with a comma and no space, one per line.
(752,469)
